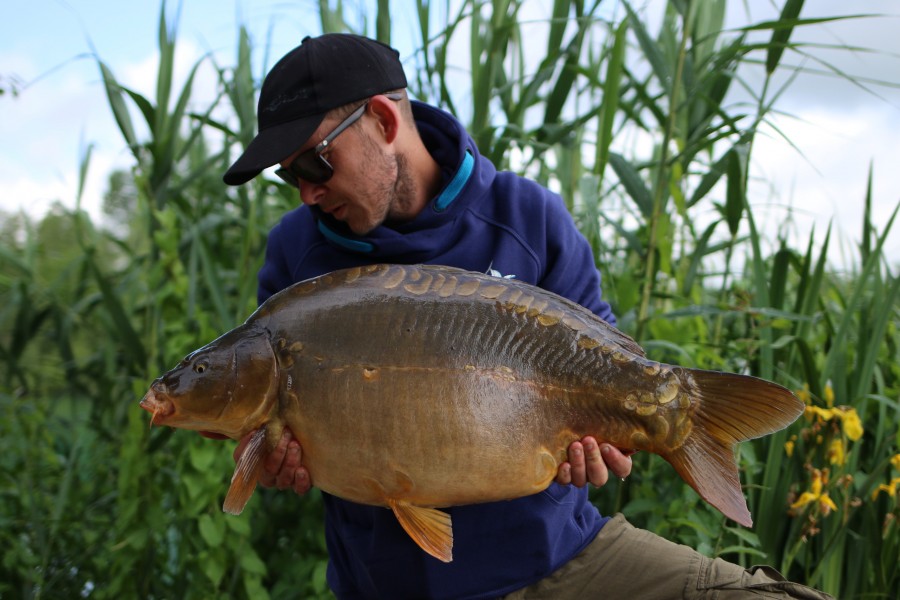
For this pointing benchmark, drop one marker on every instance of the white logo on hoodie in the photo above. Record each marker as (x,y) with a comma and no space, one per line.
(496,273)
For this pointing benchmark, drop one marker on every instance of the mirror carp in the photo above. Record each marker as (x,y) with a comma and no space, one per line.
(423,387)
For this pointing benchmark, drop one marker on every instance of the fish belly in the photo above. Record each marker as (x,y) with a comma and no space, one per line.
(428,436)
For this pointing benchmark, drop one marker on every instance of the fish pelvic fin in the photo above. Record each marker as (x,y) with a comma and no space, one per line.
(732,408)
(430,528)
(246,473)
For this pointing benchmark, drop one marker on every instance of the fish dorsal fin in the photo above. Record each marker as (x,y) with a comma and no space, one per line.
(430,528)
(246,473)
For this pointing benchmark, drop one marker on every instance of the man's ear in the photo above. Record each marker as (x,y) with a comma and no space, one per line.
(387,117)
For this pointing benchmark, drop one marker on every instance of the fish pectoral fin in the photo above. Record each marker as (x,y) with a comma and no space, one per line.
(246,473)
(430,528)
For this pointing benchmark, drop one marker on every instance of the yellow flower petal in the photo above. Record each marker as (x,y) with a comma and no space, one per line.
(804,499)
(890,490)
(836,455)
(826,504)
(789,448)
(816,486)
(829,395)
(852,424)
(895,461)
(826,414)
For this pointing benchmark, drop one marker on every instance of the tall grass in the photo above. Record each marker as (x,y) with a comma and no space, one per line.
(94,503)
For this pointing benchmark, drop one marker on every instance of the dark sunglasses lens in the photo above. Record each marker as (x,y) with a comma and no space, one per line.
(287,177)
(311,167)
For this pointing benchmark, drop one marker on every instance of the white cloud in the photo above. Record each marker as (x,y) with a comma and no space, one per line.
(827,183)
(48,127)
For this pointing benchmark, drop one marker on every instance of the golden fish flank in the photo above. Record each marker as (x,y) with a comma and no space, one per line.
(467,388)
(667,422)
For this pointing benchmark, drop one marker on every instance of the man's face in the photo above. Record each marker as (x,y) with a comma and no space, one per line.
(370,183)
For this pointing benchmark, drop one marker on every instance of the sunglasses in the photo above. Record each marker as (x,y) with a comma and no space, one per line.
(311,166)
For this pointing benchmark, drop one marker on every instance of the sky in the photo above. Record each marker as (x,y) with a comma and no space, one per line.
(837,129)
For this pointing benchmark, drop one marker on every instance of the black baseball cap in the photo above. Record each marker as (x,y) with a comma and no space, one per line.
(320,74)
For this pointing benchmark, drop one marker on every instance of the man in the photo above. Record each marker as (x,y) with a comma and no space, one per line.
(384,179)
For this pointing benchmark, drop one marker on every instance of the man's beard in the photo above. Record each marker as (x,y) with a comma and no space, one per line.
(396,194)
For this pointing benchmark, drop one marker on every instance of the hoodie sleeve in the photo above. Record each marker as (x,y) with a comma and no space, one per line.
(569,268)
(274,275)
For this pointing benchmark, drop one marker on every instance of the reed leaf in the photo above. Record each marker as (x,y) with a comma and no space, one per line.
(383,22)
(780,36)
(118,106)
(650,50)
(610,103)
(735,196)
(129,340)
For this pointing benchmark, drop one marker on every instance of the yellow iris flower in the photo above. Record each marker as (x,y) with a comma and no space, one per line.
(889,488)
(850,421)
(816,495)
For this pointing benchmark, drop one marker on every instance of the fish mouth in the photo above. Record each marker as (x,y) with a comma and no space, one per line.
(159,407)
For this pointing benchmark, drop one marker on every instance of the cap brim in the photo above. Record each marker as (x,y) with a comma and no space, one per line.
(271,146)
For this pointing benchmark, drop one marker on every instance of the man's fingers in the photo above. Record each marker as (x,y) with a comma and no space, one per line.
(594,466)
(287,469)
(586,463)
(283,466)
(576,458)
(591,462)
(301,481)
(272,464)
(564,474)
(276,457)
(616,461)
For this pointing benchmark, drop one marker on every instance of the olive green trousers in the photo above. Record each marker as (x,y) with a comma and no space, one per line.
(627,563)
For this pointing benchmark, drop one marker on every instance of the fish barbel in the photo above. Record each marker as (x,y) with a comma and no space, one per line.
(422,387)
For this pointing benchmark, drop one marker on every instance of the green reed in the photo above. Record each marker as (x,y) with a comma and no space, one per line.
(94,502)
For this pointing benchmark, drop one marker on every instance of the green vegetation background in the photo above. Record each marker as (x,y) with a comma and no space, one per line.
(94,503)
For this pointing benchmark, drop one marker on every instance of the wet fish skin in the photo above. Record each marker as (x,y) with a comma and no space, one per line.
(418,387)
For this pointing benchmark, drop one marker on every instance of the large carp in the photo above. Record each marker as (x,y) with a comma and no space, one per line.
(420,387)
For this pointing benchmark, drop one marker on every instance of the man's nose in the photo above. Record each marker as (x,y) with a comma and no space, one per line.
(311,193)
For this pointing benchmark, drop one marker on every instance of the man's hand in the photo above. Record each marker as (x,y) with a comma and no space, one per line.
(283,468)
(593,462)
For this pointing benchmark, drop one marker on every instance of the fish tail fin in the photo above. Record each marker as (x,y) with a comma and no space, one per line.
(246,473)
(731,409)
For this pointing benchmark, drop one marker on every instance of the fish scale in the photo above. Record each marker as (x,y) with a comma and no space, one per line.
(423,387)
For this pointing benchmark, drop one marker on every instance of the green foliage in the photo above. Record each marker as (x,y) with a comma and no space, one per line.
(95,503)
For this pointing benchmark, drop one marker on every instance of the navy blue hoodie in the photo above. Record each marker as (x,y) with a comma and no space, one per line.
(485,221)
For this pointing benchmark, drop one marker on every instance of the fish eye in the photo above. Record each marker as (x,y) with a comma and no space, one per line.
(201,366)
